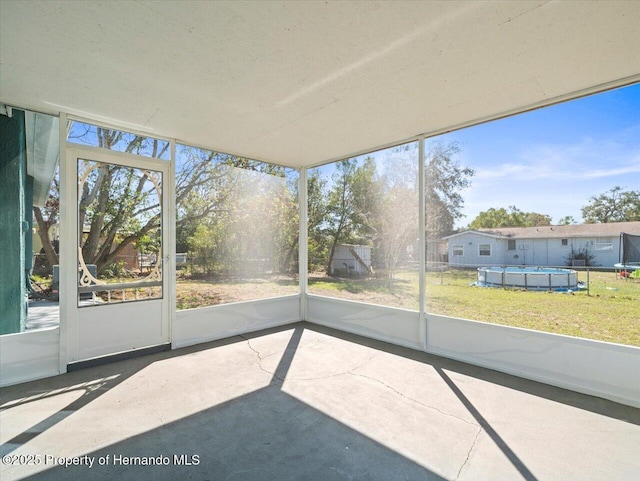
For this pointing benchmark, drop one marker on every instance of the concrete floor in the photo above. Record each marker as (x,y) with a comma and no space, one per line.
(42,314)
(307,403)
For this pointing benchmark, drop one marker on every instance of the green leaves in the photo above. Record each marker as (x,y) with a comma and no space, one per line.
(445,179)
(615,205)
(513,217)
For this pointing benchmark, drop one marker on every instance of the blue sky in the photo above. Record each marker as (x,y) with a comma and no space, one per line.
(553,160)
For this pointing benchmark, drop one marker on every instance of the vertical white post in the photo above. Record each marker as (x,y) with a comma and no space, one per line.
(303,252)
(67,256)
(169,192)
(422,242)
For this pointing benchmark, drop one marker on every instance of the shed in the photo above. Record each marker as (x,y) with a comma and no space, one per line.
(351,260)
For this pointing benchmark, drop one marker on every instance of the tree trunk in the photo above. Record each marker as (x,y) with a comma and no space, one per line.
(43,233)
(284,267)
(334,243)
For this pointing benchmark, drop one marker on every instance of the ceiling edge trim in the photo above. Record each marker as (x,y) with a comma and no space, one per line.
(236,154)
(603,87)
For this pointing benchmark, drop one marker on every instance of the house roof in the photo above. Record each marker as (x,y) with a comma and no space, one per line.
(42,140)
(302,83)
(611,229)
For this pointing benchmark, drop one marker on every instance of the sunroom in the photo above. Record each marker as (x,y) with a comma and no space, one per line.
(210,209)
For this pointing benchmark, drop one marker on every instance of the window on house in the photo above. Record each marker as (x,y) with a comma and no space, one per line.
(511,245)
(484,250)
(458,250)
(565,242)
(604,245)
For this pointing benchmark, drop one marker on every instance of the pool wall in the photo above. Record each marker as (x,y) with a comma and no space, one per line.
(531,278)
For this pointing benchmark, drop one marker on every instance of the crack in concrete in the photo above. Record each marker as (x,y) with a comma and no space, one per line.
(159,417)
(466,461)
(343,373)
(260,358)
(364,362)
(412,399)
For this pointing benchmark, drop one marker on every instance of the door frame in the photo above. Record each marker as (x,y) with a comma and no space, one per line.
(70,315)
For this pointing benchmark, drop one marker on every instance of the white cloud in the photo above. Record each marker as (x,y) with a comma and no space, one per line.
(622,170)
(582,161)
(556,180)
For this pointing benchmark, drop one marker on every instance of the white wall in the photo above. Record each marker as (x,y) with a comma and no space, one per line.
(469,242)
(611,371)
(193,326)
(543,252)
(559,254)
(29,355)
(397,326)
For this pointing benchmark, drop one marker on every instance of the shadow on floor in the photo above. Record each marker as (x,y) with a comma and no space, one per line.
(264,435)
(586,402)
(268,434)
(92,383)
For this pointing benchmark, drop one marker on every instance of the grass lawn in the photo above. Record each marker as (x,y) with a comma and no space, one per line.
(401,291)
(609,312)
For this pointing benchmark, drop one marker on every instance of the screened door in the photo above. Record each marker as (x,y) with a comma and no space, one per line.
(121,303)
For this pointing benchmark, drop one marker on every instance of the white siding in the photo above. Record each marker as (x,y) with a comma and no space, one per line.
(558,254)
(602,258)
(470,242)
(533,252)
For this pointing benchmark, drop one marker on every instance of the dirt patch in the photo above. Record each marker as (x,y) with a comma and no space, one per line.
(195,293)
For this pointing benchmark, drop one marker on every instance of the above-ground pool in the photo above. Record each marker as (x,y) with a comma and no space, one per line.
(629,266)
(532,278)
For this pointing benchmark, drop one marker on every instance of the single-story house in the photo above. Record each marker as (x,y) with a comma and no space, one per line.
(556,245)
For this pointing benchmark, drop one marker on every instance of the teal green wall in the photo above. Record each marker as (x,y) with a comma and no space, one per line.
(14,229)
(28,218)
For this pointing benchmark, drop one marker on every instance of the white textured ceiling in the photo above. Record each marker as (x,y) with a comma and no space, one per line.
(299,83)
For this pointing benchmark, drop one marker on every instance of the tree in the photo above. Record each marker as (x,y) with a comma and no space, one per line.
(375,204)
(105,219)
(119,207)
(615,205)
(567,220)
(533,219)
(491,218)
(202,246)
(396,225)
(316,212)
(46,217)
(251,213)
(445,178)
(349,204)
(513,217)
